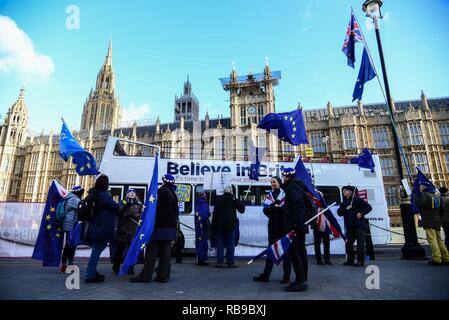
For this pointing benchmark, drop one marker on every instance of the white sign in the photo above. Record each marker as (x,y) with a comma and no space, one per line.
(406,186)
(217,181)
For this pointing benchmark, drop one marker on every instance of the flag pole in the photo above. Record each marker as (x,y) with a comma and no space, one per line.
(320,213)
(247,191)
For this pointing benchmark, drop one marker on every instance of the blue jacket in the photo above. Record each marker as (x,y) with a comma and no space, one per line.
(202,223)
(101,228)
(350,216)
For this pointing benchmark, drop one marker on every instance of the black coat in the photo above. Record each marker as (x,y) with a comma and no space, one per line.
(294,201)
(102,226)
(225,215)
(129,216)
(276,220)
(167,214)
(350,216)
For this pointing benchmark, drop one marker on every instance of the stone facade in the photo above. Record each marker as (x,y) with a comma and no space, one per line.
(29,163)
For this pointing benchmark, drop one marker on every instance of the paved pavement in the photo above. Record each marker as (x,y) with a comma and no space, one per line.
(22,278)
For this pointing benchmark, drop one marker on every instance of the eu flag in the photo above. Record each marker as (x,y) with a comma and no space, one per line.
(364,160)
(288,126)
(366,73)
(256,156)
(353,35)
(303,175)
(146,225)
(49,241)
(84,162)
(420,179)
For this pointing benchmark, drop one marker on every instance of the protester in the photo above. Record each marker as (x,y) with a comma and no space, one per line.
(202,227)
(101,228)
(295,218)
(445,214)
(129,216)
(166,221)
(429,204)
(274,209)
(354,210)
(369,242)
(224,224)
(318,237)
(71,218)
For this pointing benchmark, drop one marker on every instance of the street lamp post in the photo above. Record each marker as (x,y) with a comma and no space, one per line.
(411,249)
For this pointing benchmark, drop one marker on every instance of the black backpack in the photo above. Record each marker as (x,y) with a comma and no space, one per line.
(86,208)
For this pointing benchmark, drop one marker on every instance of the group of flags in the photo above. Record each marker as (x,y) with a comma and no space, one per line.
(366,71)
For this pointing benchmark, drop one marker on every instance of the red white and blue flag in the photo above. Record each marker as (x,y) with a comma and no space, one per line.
(270,199)
(353,35)
(277,250)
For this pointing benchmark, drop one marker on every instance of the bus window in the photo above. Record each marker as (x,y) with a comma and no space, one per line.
(331,194)
(133,149)
(256,194)
(116,192)
(184,194)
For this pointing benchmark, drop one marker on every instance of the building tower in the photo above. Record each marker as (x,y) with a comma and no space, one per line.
(13,135)
(187,105)
(251,96)
(102,108)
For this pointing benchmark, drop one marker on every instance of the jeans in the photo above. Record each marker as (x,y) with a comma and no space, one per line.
(319,236)
(68,253)
(354,234)
(298,257)
(97,249)
(157,248)
(225,237)
(439,250)
(286,264)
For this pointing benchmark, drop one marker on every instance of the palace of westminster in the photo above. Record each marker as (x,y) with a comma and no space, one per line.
(28,162)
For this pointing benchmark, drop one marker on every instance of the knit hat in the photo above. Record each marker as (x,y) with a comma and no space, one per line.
(289,172)
(349,188)
(77,189)
(168,178)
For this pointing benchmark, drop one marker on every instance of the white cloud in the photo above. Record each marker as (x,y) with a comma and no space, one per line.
(134,112)
(17,53)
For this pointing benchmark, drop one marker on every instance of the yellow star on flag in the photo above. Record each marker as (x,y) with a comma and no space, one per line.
(140,221)
(47,217)
(52,209)
(48,226)
(291,118)
(58,235)
(285,118)
(141,236)
(82,169)
(293,135)
(142,246)
(88,165)
(151,198)
(293,122)
(143,207)
(294,129)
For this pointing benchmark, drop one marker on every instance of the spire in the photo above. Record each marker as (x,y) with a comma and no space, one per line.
(108,60)
(233,73)
(424,100)
(267,70)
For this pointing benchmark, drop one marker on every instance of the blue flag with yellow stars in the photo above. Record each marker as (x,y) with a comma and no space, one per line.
(84,162)
(146,225)
(421,179)
(49,241)
(366,73)
(256,155)
(364,160)
(288,126)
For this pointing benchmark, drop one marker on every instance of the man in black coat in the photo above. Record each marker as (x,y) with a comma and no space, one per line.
(354,210)
(224,224)
(295,218)
(165,231)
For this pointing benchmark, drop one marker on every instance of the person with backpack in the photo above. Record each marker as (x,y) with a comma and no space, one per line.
(100,230)
(66,213)
(354,209)
(298,208)
(128,219)
(165,231)
(429,204)
(224,221)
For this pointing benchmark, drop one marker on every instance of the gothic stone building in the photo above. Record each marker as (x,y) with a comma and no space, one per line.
(28,163)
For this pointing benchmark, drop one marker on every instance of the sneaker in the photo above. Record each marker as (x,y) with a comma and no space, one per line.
(232,266)
(296,286)
(285,279)
(261,278)
(63,269)
(434,263)
(96,278)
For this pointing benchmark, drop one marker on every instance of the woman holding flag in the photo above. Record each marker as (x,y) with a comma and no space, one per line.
(274,209)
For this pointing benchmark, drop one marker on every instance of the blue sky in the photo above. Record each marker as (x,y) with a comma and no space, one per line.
(156,44)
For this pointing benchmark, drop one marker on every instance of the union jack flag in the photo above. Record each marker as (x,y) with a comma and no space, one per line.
(277,250)
(270,199)
(324,225)
(353,35)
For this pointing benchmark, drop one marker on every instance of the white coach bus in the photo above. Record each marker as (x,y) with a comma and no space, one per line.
(130,164)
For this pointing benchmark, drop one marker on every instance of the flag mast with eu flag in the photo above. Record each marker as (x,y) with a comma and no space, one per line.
(288,126)
(84,162)
(366,73)
(421,179)
(146,224)
(364,160)
(49,241)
